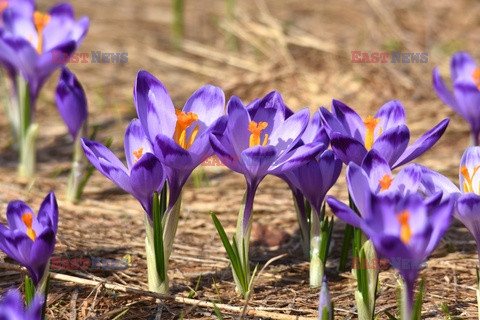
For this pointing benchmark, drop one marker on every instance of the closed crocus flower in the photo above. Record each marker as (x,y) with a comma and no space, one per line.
(464,98)
(31,44)
(325,311)
(351,137)
(403,228)
(143,175)
(180,138)
(29,238)
(71,102)
(12,307)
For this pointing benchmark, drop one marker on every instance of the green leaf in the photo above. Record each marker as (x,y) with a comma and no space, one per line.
(192,292)
(347,243)
(120,314)
(158,237)
(29,290)
(217,312)
(390,316)
(417,308)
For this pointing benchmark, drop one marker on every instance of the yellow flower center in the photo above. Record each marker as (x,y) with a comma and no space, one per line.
(138,154)
(468,183)
(370,124)
(405,230)
(256,130)
(27,219)
(184,121)
(476,77)
(385,182)
(40,20)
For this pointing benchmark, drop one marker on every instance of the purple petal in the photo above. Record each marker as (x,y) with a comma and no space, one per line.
(95,152)
(376,167)
(225,153)
(15,211)
(440,218)
(42,250)
(270,109)
(296,157)
(392,143)
(408,179)
(347,149)
(467,95)
(462,66)
(117,174)
(315,131)
(359,188)
(154,106)
(444,93)
(343,212)
(433,182)
(391,114)
(289,132)
(468,208)
(48,212)
(237,126)
(208,103)
(425,142)
(470,160)
(136,143)
(331,123)
(350,120)
(71,102)
(257,160)
(172,155)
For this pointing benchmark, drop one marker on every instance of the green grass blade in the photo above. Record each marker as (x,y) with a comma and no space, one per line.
(29,290)
(158,238)
(417,308)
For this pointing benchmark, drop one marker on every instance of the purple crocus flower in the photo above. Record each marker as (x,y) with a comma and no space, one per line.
(468,195)
(12,308)
(29,44)
(325,301)
(71,102)
(404,229)
(30,239)
(261,140)
(144,173)
(351,137)
(180,138)
(465,98)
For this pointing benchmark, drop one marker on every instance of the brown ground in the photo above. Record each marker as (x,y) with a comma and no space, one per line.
(301,48)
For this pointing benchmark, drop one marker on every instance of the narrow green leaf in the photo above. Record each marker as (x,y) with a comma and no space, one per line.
(120,314)
(158,238)
(192,292)
(346,245)
(417,308)
(163,200)
(29,290)
(390,316)
(322,213)
(217,312)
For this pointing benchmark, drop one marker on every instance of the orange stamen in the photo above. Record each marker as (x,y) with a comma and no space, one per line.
(405,230)
(370,124)
(3,5)
(256,130)
(138,154)
(476,77)
(27,219)
(184,121)
(468,183)
(40,20)
(385,182)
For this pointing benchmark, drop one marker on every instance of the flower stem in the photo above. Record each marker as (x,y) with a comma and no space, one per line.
(27,132)
(407,300)
(316,265)
(77,171)
(303,221)
(178,8)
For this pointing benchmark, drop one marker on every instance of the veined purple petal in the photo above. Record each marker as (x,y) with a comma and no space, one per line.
(433,182)
(425,142)
(225,153)
(71,102)
(440,217)
(154,107)
(462,66)
(15,211)
(270,109)
(48,212)
(117,174)
(376,167)
(359,188)
(96,151)
(257,160)
(468,209)
(343,212)
(315,131)
(347,149)
(237,126)
(470,161)
(350,120)
(392,143)
(391,114)
(136,143)
(296,157)
(171,154)
(331,123)
(445,94)
(408,179)
(467,95)
(41,251)
(287,135)
(208,103)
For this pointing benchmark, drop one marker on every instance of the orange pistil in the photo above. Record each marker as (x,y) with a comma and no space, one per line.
(476,77)
(385,182)
(468,183)
(27,219)
(3,5)
(184,121)
(256,130)
(40,20)
(138,154)
(405,230)
(370,124)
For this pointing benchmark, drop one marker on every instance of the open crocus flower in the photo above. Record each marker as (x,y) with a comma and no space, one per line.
(351,137)
(12,307)
(28,43)
(404,229)
(71,102)
(30,239)
(144,173)
(180,138)
(374,176)
(465,98)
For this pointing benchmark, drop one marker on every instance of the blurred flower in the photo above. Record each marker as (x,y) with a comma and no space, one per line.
(144,174)
(325,302)
(351,137)
(71,102)
(28,40)
(465,99)
(260,140)
(403,228)
(30,239)
(180,138)
(12,307)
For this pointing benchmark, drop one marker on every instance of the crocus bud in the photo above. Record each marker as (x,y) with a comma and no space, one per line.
(11,307)
(325,310)
(71,102)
